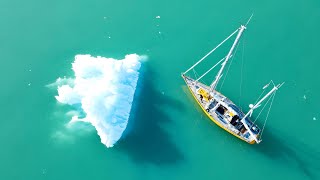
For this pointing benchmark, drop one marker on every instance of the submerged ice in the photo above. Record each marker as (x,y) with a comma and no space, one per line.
(104,88)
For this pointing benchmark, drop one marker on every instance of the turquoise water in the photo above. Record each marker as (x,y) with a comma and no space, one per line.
(170,137)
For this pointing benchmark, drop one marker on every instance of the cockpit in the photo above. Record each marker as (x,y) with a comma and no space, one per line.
(237,118)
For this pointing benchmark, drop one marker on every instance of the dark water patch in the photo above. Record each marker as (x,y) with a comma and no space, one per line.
(146,140)
(286,149)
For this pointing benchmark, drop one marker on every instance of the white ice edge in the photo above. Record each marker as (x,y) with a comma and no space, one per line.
(104,88)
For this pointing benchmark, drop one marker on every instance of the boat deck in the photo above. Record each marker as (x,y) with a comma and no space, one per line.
(221,115)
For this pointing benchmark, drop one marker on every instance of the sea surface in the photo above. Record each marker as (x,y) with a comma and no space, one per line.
(168,136)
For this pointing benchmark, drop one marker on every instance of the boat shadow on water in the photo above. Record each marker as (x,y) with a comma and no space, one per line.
(146,140)
(281,148)
(291,152)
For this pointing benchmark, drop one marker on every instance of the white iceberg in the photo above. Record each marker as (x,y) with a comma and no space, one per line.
(104,88)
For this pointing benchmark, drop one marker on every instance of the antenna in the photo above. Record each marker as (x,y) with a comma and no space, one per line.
(249,19)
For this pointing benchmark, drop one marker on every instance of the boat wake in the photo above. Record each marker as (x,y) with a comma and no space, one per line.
(103,88)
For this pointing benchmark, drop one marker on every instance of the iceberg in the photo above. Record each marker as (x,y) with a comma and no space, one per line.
(104,89)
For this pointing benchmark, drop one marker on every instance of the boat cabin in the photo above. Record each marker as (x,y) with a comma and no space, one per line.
(228,113)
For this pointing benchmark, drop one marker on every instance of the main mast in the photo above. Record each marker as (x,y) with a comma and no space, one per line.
(215,82)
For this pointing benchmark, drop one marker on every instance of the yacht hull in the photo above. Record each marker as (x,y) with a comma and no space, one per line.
(210,116)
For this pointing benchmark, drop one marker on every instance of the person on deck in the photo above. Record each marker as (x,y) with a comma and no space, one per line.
(201,98)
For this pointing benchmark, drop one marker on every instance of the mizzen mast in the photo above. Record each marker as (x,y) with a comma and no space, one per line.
(255,106)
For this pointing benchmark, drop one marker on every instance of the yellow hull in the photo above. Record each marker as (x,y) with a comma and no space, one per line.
(215,121)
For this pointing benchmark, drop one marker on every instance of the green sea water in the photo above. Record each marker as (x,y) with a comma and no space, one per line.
(170,137)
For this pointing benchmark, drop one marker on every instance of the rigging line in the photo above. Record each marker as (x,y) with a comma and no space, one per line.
(262,109)
(210,69)
(203,82)
(211,51)
(229,66)
(267,114)
(260,96)
(197,75)
(241,72)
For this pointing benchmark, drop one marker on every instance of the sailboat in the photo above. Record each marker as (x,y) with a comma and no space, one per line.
(219,108)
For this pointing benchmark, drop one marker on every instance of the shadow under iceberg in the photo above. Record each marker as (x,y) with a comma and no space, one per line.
(145,140)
